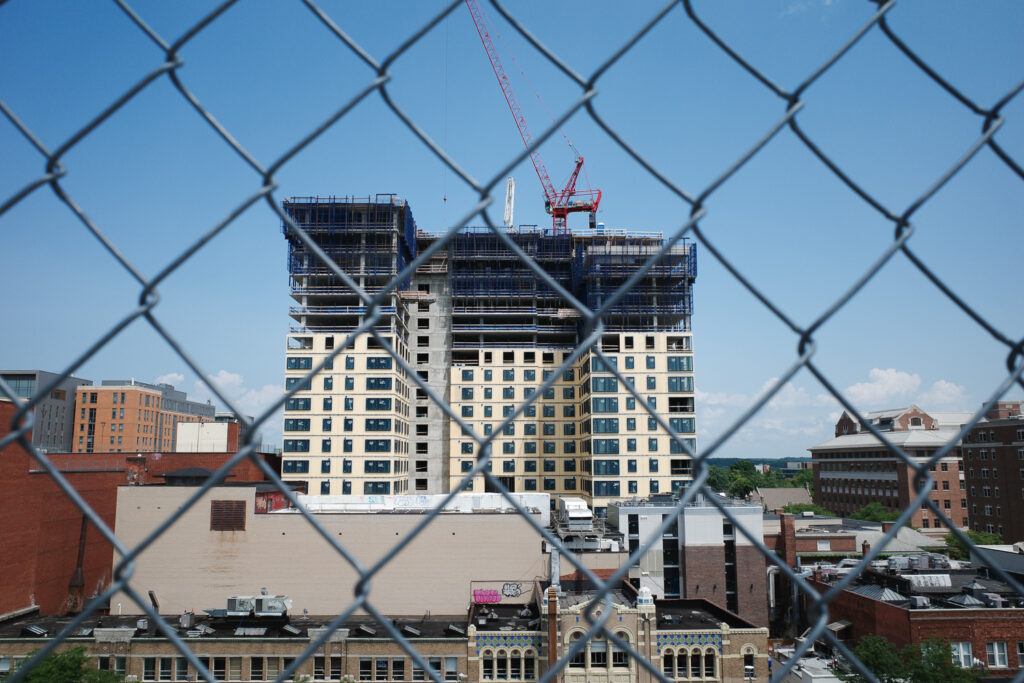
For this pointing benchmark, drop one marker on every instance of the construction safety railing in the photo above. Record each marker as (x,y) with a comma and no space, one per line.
(376,72)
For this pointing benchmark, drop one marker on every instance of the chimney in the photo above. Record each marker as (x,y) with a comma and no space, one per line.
(865,548)
(787,538)
(886,526)
(553,649)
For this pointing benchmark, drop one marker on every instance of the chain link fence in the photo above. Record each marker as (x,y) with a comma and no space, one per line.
(376,77)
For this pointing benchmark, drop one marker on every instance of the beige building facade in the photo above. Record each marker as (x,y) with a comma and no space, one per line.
(483,331)
(221,547)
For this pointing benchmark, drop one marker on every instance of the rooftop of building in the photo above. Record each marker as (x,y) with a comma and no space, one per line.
(498,617)
(677,614)
(906,440)
(417,504)
(671,501)
(205,626)
(777,498)
(930,587)
(691,614)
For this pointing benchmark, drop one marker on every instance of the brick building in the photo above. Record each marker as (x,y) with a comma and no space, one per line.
(44,532)
(994,464)
(132,417)
(855,468)
(982,619)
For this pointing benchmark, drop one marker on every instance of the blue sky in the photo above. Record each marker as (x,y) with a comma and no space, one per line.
(155,176)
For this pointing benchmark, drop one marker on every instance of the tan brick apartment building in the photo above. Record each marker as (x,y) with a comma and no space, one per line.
(130,416)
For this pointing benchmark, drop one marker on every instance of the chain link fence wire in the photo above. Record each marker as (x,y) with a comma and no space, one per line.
(377,75)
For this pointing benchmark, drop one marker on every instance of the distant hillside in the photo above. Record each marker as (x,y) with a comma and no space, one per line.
(774,462)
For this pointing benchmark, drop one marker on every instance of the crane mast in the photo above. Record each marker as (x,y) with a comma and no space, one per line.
(558,204)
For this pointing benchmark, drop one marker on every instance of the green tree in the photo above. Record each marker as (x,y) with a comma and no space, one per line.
(803,478)
(797,508)
(875,512)
(740,487)
(743,468)
(70,666)
(718,478)
(958,550)
(880,657)
(925,663)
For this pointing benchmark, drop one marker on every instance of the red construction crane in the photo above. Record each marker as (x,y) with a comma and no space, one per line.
(558,204)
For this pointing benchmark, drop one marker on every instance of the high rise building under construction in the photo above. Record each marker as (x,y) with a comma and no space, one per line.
(484,331)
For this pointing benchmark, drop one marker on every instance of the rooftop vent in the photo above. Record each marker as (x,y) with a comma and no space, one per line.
(367,630)
(34,631)
(411,630)
(455,628)
(241,605)
(272,605)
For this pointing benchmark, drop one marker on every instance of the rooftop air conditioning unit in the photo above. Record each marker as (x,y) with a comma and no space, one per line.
(241,605)
(272,605)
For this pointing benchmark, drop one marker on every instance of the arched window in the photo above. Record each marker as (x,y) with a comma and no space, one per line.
(529,670)
(709,663)
(598,653)
(515,666)
(620,658)
(487,660)
(501,665)
(580,658)
(695,667)
(668,663)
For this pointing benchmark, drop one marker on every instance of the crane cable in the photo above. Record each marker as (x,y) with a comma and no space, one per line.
(536,94)
(444,111)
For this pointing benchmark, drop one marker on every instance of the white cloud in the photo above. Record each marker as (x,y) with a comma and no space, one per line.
(883,388)
(721,399)
(172,378)
(943,394)
(797,417)
(800,6)
(250,401)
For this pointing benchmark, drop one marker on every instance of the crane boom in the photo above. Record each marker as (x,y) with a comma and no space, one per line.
(558,204)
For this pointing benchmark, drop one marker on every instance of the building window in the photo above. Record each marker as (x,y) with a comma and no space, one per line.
(996,654)
(227,515)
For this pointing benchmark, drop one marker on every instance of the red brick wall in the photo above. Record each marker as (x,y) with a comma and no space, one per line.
(867,616)
(842,543)
(751,585)
(904,626)
(703,576)
(42,527)
(19,531)
(846,425)
(975,626)
(903,421)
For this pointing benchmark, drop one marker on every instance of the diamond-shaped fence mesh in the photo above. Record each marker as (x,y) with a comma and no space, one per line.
(376,71)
